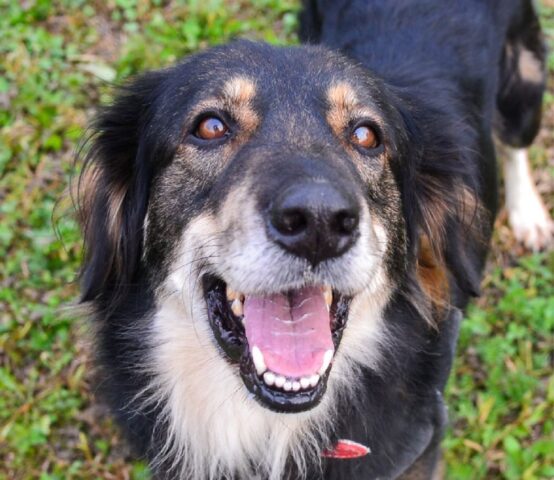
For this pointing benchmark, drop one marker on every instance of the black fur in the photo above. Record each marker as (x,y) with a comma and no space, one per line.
(443,73)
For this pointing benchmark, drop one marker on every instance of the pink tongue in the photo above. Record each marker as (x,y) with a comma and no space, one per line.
(292,331)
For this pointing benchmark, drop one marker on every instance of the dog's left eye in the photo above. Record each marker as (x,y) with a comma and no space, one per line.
(211,128)
(365,137)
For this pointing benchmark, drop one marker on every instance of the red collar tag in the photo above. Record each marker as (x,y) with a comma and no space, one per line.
(346,449)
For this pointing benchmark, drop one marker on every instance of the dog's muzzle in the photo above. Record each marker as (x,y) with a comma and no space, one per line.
(285,340)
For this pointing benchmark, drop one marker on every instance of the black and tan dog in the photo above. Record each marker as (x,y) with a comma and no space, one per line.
(280,241)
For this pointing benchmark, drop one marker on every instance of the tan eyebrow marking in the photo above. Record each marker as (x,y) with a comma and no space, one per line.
(342,99)
(236,98)
(342,95)
(344,106)
(238,93)
(239,90)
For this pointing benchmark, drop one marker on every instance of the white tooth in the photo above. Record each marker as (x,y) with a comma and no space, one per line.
(326,361)
(287,387)
(259,362)
(313,380)
(295,386)
(304,382)
(328,295)
(236,307)
(280,381)
(269,378)
(231,294)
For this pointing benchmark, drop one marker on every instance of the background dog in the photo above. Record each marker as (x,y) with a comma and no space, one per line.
(280,240)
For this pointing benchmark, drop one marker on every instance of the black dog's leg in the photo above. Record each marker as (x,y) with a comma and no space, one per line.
(518,115)
(522,80)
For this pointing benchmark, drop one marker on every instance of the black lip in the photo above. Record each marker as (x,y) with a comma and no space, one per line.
(229,333)
(228,330)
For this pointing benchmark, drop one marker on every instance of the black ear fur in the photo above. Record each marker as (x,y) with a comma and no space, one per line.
(113,188)
(440,189)
(519,99)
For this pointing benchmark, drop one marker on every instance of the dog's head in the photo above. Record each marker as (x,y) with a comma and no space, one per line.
(273,200)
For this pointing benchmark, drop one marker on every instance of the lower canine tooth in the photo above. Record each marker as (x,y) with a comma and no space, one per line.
(313,380)
(269,378)
(280,381)
(328,296)
(326,361)
(258,359)
(236,307)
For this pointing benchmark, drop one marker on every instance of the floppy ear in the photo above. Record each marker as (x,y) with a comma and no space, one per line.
(451,232)
(112,190)
(446,222)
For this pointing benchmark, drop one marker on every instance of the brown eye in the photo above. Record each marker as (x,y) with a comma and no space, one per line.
(364,137)
(211,128)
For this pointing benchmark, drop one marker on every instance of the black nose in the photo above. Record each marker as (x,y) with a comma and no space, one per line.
(315,221)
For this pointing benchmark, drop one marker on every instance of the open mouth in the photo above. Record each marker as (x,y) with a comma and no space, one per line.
(284,343)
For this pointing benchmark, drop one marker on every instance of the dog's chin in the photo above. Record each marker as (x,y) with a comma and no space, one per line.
(285,384)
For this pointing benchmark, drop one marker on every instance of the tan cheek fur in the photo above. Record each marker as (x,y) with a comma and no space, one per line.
(115,203)
(431,268)
(432,274)
(84,189)
(87,188)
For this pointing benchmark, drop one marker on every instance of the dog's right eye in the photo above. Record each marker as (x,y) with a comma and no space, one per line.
(364,136)
(211,128)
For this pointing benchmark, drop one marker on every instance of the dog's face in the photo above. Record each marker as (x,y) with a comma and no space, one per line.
(249,215)
(278,210)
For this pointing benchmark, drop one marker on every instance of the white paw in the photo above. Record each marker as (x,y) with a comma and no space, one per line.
(531,223)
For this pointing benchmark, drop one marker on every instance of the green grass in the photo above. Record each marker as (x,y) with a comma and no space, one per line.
(58,59)
(501,393)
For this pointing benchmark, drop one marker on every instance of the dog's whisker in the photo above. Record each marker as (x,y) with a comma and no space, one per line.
(197,260)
